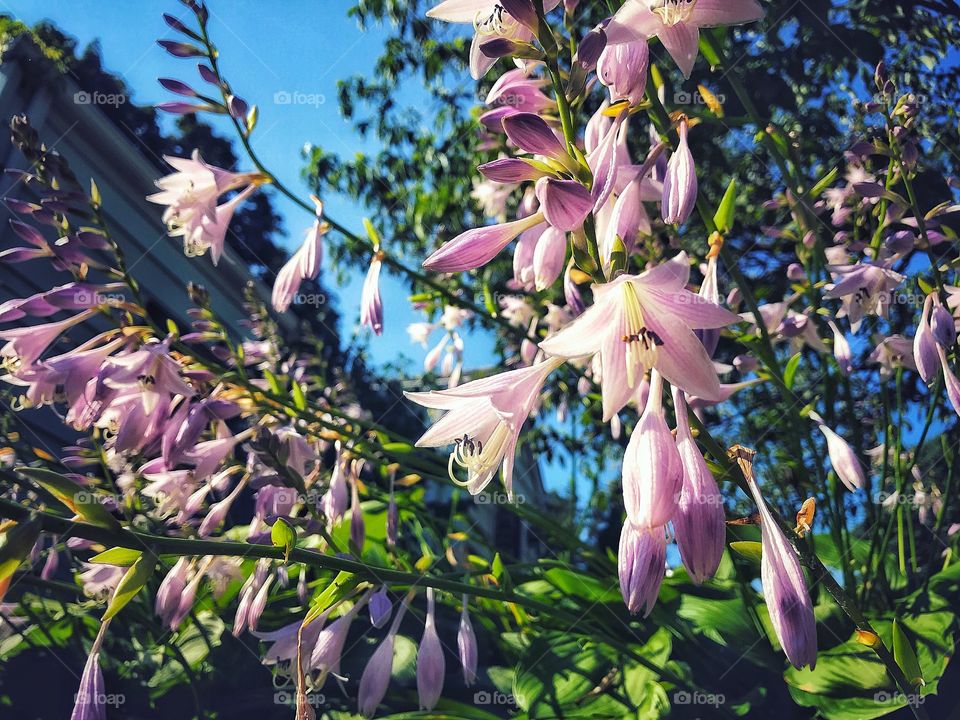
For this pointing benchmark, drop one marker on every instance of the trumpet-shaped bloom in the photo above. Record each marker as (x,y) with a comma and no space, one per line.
(483,421)
(304,264)
(864,288)
(641,564)
(652,470)
(699,522)
(639,322)
(677,23)
(622,69)
(376,675)
(785,589)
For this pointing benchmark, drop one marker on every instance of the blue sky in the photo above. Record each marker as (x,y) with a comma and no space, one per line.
(297,47)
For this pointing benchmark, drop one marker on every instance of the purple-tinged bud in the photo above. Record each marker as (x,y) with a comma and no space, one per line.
(591,48)
(180,49)
(745,363)
(523,12)
(622,69)
(950,380)
(680,183)
(371,306)
(207,74)
(430,663)
(925,345)
(710,291)
(841,350)
(510,170)
(175,86)
(171,589)
(564,203)
(392,520)
(549,257)
(796,273)
(641,564)
(258,604)
(943,325)
(237,107)
(785,589)
(652,472)
(900,242)
(842,457)
(380,608)
(533,135)
(89,702)
(302,588)
(182,108)
(504,47)
(880,76)
(329,646)
(478,246)
(467,645)
(700,522)
(571,293)
(376,675)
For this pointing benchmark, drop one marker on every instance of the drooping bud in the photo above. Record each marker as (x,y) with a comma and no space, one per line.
(392,518)
(371,307)
(358,530)
(380,608)
(652,472)
(680,183)
(89,703)
(329,646)
(925,344)
(641,563)
(841,350)
(171,588)
(430,663)
(943,325)
(376,675)
(467,645)
(784,587)
(699,523)
(842,457)
(548,257)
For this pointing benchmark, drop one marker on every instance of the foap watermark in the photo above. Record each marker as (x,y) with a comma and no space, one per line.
(90,298)
(314,299)
(298,97)
(714,700)
(484,697)
(114,700)
(83,97)
(498,498)
(899,698)
(289,698)
(681,97)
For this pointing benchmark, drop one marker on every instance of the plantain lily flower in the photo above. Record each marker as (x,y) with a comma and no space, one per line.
(483,422)
(641,564)
(640,322)
(677,23)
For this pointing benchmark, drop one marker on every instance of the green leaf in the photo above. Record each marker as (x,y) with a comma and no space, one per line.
(790,371)
(299,399)
(824,182)
(135,578)
(584,586)
(372,233)
(723,218)
(122,557)
(905,656)
(81,500)
(752,551)
(342,584)
(95,199)
(284,535)
(18,541)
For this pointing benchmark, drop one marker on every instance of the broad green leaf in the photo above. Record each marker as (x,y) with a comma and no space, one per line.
(905,656)
(749,549)
(81,500)
(584,586)
(135,578)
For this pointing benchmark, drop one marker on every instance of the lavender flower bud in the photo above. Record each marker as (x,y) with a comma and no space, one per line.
(641,563)
(943,326)
(430,663)
(376,675)
(925,344)
(680,183)
(467,644)
(380,608)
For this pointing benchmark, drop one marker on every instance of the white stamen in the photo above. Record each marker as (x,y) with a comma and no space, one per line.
(641,343)
(673,12)
(480,459)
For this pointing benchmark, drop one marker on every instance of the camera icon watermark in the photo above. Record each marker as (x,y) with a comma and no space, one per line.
(714,700)
(499,498)
(83,97)
(297,97)
(289,698)
(484,697)
(898,698)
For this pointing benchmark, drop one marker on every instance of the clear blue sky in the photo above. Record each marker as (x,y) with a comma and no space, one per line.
(296,47)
